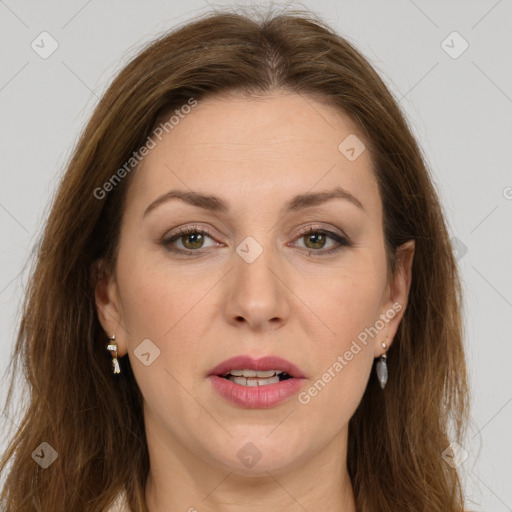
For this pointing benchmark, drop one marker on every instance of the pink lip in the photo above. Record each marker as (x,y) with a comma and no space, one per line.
(258,397)
(263,363)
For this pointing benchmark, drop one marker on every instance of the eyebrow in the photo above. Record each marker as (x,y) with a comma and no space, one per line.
(216,204)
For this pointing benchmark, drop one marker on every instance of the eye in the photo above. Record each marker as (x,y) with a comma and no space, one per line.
(316,238)
(192,239)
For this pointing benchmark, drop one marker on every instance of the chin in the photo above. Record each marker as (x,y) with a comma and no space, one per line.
(259,453)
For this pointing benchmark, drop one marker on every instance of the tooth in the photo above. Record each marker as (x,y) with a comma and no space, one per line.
(265,374)
(254,373)
(271,380)
(253,382)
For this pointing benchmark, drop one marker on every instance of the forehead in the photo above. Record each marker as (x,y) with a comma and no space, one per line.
(281,144)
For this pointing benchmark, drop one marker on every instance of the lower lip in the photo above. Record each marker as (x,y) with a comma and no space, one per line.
(256,397)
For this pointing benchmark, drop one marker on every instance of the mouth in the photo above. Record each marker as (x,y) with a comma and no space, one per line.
(266,367)
(256,383)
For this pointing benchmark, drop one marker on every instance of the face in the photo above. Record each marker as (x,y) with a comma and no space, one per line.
(259,272)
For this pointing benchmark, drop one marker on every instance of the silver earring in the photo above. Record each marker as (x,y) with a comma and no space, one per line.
(382,368)
(113,348)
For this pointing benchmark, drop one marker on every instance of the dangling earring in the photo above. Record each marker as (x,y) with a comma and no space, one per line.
(382,367)
(113,348)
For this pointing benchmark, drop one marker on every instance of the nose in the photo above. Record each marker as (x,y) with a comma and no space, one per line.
(257,293)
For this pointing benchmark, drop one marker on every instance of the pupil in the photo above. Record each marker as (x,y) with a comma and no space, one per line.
(318,237)
(195,243)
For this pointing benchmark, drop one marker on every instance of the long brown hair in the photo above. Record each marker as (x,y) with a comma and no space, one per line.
(92,418)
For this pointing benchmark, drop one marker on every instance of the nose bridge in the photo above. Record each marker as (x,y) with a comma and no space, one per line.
(253,261)
(258,295)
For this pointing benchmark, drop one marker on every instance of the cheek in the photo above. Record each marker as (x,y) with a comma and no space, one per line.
(161,304)
(158,305)
(342,360)
(348,299)
(349,306)
(152,298)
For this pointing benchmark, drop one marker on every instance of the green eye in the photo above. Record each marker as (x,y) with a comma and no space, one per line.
(315,239)
(192,239)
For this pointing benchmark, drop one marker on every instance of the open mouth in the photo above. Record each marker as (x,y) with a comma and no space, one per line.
(252,378)
(256,383)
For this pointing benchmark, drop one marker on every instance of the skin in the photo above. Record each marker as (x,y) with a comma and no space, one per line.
(255,153)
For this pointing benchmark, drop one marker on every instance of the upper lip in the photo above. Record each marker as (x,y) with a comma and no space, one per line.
(246,362)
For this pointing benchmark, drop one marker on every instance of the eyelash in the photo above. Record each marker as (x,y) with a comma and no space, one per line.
(343,241)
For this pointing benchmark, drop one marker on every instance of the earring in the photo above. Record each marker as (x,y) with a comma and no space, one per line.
(382,367)
(113,348)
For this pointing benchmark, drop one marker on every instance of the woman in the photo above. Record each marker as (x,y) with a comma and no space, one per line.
(245,296)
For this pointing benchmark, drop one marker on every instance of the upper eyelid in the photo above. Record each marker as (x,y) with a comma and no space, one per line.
(187,229)
(208,231)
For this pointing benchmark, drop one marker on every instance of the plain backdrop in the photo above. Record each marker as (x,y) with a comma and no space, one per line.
(448,63)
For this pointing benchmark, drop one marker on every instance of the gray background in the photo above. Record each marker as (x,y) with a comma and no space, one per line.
(459,108)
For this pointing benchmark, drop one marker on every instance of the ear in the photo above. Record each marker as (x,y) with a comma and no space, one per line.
(108,305)
(396,294)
